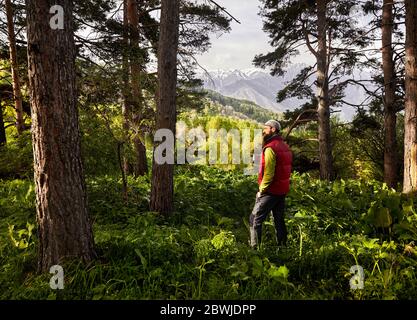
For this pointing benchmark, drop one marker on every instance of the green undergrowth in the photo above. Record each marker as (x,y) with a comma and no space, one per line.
(202,252)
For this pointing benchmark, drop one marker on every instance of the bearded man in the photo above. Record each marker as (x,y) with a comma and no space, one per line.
(274,184)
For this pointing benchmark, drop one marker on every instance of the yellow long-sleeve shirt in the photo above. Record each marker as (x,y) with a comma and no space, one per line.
(269,171)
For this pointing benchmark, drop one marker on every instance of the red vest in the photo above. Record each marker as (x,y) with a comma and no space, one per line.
(281,182)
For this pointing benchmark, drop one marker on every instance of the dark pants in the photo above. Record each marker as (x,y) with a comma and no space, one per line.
(263,206)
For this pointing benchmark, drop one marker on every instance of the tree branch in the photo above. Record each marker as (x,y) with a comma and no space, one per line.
(297,121)
(224,10)
(307,39)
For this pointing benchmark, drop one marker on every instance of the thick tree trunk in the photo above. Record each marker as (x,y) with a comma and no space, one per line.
(141,166)
(410,118)
(325,147)
(61,202)
(20,125)
(3,139)
(390,116)
(162,191)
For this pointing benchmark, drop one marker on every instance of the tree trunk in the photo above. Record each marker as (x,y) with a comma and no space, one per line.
(141,166)
(17,95)
(325,147)
(126,110)
(410,117)
(162,192)
(61,201)
(3,139)
(390,116)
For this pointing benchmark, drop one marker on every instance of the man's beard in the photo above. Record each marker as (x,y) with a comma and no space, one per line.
(266,137)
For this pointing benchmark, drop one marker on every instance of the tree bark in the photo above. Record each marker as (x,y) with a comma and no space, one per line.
(325,147)
(17,94)
(3,139)
(162,191)
(410,117)
(141,166)
(64,227)
(390,115)
(126,110)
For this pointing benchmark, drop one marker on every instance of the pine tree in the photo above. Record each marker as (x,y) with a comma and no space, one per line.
(17,94)
(65,230)
(136,69)
(410,119)
(162,190)
(387,97)
(327,30)
(390,122)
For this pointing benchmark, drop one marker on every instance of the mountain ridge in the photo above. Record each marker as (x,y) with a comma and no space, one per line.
(260,87)
(239,108)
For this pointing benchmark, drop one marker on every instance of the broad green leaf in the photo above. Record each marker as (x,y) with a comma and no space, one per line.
(280,272)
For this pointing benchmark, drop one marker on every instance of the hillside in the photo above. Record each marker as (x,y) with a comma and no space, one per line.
(261,88)
(253,85)
(238,108)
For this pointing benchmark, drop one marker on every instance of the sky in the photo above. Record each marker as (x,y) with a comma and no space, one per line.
(237,49)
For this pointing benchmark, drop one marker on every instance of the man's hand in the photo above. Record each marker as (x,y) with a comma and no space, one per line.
(258,194)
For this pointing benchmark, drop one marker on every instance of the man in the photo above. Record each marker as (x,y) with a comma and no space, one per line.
(274,184)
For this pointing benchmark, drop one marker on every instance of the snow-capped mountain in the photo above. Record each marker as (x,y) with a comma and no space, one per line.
(250,84)
(260,87)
